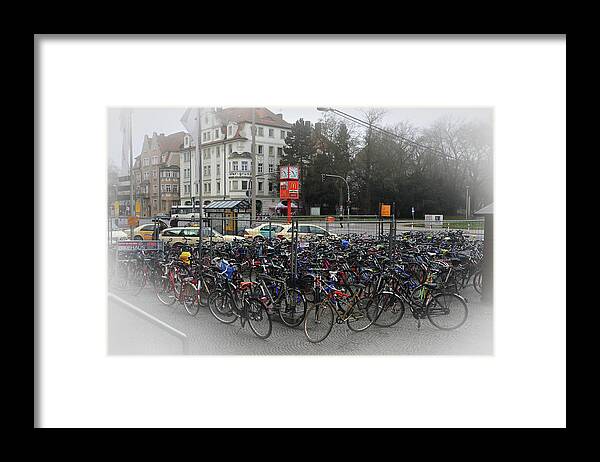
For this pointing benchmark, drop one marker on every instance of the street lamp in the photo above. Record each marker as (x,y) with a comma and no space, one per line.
(325,175)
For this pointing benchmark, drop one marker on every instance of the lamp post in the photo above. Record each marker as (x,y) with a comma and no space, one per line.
(325,175)
(467,204)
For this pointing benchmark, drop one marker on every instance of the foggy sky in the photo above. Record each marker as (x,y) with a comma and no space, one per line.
(166,120)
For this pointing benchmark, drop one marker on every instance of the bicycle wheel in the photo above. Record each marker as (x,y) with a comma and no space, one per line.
(138,280)
(189,296)
(258,318)
(208,286)
(359,320)
(446,311)
(292,313)
(120,277)
(164,291)
(318,322)
(477,281)
(221,305)
(388,309)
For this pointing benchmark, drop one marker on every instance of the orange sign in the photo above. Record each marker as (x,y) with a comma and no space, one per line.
(133,221)
(330,219)
(386,210)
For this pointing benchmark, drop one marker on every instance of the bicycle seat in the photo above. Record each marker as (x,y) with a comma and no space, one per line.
(246,285)
(430,285)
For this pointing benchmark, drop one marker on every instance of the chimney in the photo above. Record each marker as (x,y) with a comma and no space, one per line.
(162,134)
(279,115)
(154,134)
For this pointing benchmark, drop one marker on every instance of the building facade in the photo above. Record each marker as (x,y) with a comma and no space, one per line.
(226,143)
(156,173)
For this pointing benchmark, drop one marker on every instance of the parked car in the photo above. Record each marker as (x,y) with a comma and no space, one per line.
(190,235)
(263,231)
(306,231)
(118,234)
(145,231)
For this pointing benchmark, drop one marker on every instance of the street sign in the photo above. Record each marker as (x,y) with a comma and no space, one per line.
(330,219)
(138,207)
(133,221)
(116,207)
(386,210)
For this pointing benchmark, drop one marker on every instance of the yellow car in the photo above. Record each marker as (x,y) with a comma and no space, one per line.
(145,231)
(190,234)
(306,231)
(263,231)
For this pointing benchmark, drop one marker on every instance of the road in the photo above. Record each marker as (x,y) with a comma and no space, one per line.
(131,332)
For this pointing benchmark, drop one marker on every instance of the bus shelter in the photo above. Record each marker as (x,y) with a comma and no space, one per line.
(228,216)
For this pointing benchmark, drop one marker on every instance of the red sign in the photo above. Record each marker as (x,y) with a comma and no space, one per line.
(288,189)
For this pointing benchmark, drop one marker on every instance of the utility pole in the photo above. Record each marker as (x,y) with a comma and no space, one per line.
(467,205)
(253,167)
(130,169)
(199,159)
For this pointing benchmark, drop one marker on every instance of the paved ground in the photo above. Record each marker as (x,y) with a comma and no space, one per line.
(130,333)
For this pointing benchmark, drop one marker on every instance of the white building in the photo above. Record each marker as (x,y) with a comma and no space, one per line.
(226,142)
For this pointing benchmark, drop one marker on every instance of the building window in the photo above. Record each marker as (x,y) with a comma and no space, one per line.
(146,161)
(260,167)
(280,151)
(260,148)
(244,166)
(229,130)
(282,134)
(218,151)
(234,185)
(186,156)
(244,185)
(270,187)
(261,131)
(271,150)
(218,188)
(260,186)
(207,187)
(168,188)
(154,160)
(217,133)
(271,133)
(230,148)
(234,166)
(271,168)
(175,188)
(218,169)
(196,187)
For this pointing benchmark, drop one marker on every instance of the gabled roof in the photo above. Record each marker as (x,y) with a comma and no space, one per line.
(170,142)
(244,114)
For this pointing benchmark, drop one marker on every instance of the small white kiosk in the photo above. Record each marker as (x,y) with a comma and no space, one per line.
(433,220)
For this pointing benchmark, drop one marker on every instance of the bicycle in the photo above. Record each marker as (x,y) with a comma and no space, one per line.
(233,303)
